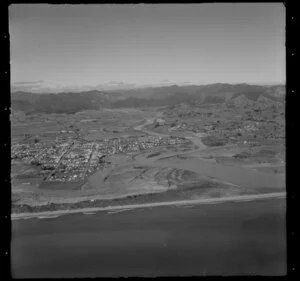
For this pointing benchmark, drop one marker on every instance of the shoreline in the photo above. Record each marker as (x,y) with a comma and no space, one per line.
(53,214)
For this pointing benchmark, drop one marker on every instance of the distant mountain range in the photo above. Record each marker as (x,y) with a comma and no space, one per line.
(71,102)
(50,87)
(61,103)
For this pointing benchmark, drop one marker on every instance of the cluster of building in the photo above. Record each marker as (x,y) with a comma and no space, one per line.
(233,131)
(23,152)
(74,160)
(134,144)
(72,166)
(256,122)
(239,131)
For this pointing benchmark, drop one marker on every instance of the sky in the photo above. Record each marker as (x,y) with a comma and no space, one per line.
(147,44)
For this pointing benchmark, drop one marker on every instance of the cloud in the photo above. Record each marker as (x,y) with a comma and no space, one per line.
(28,82)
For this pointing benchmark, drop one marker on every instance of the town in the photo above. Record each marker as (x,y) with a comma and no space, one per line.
(75,160)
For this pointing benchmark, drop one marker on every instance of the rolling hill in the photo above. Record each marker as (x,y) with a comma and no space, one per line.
(71,102)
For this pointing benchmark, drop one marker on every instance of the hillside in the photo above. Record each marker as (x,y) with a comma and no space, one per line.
(210,94)
(146,97)
(219,89)
(61,103)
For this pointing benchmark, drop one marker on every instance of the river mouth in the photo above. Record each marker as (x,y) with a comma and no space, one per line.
(135,184)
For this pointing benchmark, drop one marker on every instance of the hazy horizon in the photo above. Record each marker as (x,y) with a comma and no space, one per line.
(59,46)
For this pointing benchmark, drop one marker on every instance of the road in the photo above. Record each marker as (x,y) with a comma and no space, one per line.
(240,238)
(88,163)
(59,161)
